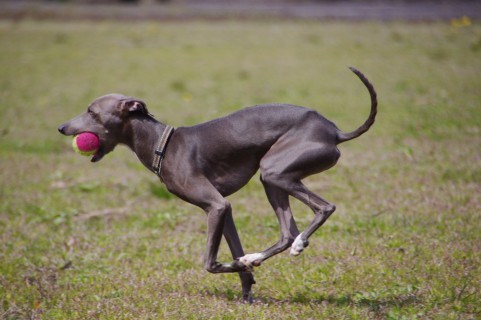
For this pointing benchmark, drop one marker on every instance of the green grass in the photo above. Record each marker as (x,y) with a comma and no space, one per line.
(106,241)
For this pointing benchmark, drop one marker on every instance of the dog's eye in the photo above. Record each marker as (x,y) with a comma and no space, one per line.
(94,115)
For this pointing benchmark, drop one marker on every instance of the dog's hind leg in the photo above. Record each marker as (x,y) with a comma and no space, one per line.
(279,200)
(322,210)
(286,164)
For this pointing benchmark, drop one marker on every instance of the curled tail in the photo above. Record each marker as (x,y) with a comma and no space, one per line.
(346,136)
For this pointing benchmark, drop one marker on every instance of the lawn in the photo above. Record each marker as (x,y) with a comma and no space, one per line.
(107,241)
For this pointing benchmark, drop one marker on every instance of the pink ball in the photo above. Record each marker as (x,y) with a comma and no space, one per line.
(86,143)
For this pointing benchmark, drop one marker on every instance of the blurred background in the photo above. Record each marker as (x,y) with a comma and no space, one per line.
(427,10)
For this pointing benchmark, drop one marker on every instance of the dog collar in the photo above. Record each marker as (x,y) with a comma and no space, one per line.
(160,151)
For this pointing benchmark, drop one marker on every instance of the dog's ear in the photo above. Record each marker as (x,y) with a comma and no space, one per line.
(132,105)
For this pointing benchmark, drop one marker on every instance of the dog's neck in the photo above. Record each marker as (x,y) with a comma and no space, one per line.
(143,135)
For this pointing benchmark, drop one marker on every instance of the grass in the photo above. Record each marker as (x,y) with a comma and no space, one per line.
(106,241)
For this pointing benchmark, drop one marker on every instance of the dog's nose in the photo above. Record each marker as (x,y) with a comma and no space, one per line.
(61,129)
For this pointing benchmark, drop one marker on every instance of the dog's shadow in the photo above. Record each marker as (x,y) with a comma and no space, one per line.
(372,301)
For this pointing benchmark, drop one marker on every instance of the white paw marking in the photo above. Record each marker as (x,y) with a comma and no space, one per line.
(253,259)
(297,246)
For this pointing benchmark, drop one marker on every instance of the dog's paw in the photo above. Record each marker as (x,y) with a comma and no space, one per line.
(298,245)
(252,260)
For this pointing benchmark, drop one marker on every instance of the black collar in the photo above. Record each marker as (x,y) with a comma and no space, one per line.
(160,151)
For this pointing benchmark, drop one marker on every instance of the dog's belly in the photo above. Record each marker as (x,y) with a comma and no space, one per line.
(229,177)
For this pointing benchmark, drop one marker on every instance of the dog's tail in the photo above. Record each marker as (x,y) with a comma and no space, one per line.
(346,136)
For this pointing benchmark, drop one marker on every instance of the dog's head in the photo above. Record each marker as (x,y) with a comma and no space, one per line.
(107,117)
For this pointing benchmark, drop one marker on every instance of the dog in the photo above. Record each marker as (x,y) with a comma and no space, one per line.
(204,163)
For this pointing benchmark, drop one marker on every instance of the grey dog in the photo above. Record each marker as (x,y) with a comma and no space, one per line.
(203,164)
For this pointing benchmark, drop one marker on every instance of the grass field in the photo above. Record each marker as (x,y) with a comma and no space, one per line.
(106,241)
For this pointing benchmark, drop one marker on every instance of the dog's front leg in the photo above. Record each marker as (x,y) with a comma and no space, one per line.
(217,213)
(233,240)
(197,190)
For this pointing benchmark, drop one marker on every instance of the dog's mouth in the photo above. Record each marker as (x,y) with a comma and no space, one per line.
(104,148)
(98,155)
